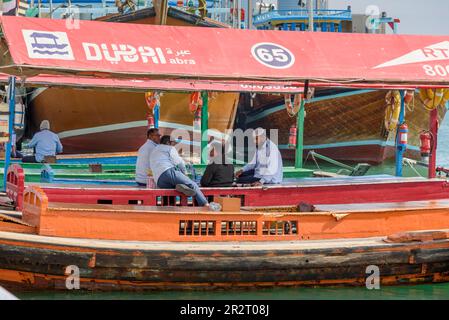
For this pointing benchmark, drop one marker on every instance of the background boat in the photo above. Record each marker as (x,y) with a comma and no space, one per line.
(343,125)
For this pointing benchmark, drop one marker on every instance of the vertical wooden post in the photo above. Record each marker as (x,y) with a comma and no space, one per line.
(399,148)
(433,127)
(300,135)
(12,108)
(204,127)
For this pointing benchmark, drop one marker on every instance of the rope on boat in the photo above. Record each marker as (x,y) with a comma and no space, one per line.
(411,163)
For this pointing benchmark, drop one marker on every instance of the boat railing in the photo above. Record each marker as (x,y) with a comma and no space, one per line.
(319,14)
(153,223)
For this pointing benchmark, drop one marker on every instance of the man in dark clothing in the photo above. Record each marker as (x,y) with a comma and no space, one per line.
(218,173)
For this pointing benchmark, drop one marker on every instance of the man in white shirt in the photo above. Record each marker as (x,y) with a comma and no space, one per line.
(169,171)
(143,156)
(266,165)
(45,144)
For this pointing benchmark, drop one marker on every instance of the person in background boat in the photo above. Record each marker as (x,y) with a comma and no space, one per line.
(266,165)
(143,156)
(45,144)
(169,171)
(218,172)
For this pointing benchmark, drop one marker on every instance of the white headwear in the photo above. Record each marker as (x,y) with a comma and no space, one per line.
(45,124)
(259,132)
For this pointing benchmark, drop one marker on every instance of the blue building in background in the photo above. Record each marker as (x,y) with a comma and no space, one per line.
(293,15)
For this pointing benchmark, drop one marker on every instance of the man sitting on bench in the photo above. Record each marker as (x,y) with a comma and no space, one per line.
(220,171)
(169,171)
(266,165)
(46,145)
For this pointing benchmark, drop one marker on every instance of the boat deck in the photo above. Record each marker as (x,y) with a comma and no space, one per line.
(382,207)
(198,246)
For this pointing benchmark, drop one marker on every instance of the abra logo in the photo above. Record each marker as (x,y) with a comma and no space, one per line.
(435,52)
(273,55)
(47,45)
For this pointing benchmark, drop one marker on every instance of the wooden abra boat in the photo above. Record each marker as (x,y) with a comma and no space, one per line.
(193,248)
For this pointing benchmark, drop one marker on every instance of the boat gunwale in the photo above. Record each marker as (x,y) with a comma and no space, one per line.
(206,246)
(262,188)
(258,211)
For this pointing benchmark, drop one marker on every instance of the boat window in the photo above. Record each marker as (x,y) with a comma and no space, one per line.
(196,228)
(104,201)
(272,228)
(135,202)
(241,228)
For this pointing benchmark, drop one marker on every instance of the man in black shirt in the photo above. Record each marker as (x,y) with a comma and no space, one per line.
(218,173)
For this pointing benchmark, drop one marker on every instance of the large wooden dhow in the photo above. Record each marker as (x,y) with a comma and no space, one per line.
(343,125)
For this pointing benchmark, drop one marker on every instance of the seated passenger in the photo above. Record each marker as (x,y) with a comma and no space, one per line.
(266,165)
(45,144)
(143,156)
(218,172)
(169,171)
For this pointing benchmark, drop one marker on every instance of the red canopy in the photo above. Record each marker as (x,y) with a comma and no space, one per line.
(43,46)
(143,84)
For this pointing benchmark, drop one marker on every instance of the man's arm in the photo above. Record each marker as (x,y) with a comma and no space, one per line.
(58,145)
(33,142)
(250,165)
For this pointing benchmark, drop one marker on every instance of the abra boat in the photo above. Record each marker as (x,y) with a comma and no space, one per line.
(197,249)
(190,247)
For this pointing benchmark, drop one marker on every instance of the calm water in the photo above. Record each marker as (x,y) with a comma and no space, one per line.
(418,292)
(434,291)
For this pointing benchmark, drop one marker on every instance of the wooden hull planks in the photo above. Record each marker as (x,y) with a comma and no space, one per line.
(39,263)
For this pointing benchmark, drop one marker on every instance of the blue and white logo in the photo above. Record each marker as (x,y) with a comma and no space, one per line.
(47,45)
(273,55)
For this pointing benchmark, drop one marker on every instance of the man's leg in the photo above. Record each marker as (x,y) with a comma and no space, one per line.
(247,177)
(167,179)
(181,178)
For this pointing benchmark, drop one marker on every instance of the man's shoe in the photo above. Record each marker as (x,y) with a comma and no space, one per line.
(214,206)
(185,190)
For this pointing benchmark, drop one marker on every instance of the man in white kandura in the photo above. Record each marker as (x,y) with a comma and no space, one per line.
(143,156)
(266,165)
